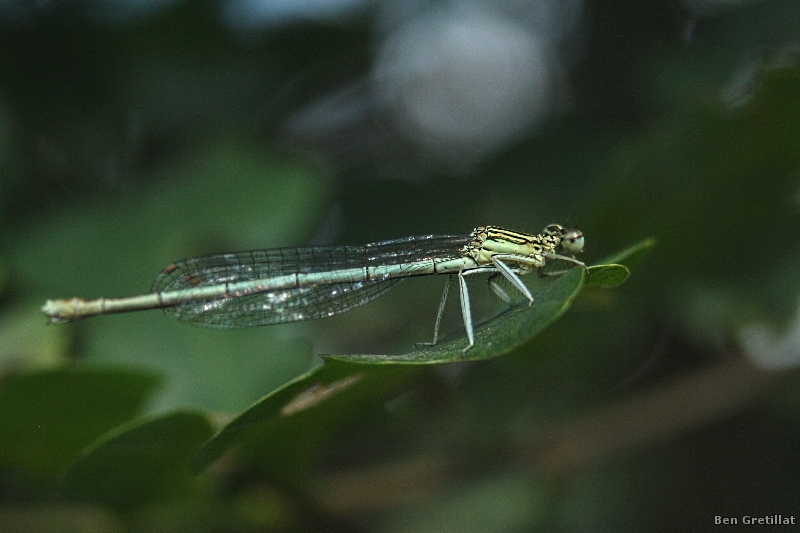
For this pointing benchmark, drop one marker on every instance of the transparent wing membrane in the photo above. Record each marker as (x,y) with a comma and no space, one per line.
(291,305)
(302,303)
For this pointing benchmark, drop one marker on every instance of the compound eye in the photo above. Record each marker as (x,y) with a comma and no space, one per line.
(572,241)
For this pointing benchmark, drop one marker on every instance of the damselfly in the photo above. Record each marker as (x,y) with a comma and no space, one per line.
(243,289)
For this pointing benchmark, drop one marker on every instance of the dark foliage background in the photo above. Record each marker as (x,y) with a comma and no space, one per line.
(132,135)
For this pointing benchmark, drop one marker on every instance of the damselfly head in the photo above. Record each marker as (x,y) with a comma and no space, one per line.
(572,241)
(554,230)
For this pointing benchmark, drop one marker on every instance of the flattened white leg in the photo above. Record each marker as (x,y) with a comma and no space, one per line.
(562,258)
(509,274)
(465,311)
(438,316)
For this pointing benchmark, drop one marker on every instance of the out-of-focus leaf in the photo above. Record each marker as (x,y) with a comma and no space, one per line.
(47,417)
(139,462)
(305,408)
(630,255)
(26,345)
(226,196)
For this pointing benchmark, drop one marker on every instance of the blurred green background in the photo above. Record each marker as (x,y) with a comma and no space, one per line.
(133,134)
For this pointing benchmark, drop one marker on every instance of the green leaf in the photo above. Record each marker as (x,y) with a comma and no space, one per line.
(49,416)
(344,383)
(143,461)
(498,336)
(607,276)
(304,407)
